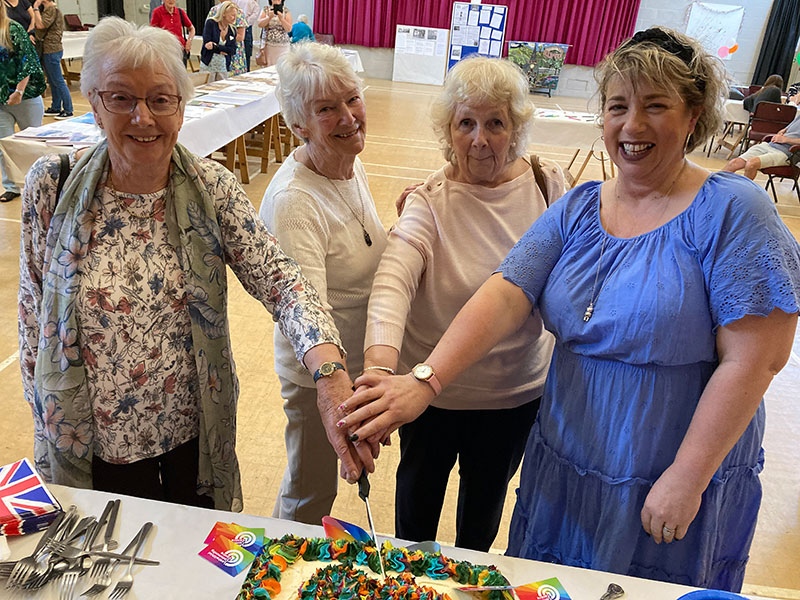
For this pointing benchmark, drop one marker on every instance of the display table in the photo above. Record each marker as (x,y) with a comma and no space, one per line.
(200,136)
(179,533)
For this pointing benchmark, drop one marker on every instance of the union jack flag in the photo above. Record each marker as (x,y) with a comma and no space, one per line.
(26,505)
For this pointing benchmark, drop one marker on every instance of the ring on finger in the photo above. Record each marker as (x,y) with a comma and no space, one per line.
(668,532)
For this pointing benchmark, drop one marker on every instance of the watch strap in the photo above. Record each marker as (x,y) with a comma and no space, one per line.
(433,381)
(327,369)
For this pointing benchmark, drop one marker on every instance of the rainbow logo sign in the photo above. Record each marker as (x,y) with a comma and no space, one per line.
(547,589)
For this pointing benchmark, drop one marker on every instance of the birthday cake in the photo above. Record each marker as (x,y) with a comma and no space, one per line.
(292,568)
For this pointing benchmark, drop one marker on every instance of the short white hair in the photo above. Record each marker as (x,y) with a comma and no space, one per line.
(479,80)
(133,47)
(303,19)
(308,71)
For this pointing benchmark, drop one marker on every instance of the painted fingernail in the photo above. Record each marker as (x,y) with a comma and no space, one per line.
(354,437)
(340,423)
(342,408)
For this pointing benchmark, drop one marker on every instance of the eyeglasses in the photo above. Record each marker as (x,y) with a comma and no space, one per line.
(120,103)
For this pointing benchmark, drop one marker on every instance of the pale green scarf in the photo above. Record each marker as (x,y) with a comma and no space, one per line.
(61,393)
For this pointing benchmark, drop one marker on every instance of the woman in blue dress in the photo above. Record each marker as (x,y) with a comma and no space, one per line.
(673,294)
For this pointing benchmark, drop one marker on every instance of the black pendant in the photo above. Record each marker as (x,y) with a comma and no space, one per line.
(367,239)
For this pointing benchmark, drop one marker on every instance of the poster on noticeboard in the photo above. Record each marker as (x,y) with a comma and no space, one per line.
(476,29)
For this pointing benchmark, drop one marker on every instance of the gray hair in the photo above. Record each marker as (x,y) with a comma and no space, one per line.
(700,81)
(117,40)
(303,19)
(308,71)
(478,80)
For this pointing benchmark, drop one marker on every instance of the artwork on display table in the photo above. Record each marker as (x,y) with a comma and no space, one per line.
(476,29)
(540,61)
(716,27)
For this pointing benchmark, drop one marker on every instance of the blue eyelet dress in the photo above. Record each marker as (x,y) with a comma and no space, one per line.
(622,388)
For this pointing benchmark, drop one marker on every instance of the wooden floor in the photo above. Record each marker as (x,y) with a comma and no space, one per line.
(401,149)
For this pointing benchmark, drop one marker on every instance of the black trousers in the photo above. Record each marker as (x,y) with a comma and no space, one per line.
(248,46)
(171,477)
(488,444)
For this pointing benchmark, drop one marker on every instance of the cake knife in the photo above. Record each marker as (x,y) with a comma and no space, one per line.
(363,493)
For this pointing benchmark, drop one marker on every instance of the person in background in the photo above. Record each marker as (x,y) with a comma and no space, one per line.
(301,31)
(774,153)
(174,19)
(319,206)
(48,36)
(125,346)
(21,88)
(23,13)
(249,10)
(219,40)
(771,92)
(673,295)
(236,64)
(276,23)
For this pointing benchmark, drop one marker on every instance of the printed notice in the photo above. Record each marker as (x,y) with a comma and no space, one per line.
(495,50)
(473,18)
(497,34)
(497,20)
(484,47)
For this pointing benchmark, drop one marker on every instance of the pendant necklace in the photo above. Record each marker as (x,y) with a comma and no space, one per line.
(367,238)
(593,298)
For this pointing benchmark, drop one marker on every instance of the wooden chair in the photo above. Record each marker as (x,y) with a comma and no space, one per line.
(783,172)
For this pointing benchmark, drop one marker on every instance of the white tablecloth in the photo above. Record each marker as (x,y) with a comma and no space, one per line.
(354,58)
(201,136)
(179,533)
(73,43)
(735,112)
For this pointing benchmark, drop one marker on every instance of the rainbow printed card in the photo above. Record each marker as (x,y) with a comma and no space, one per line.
(226,555)
(547,589)
(342,530)
(249,538)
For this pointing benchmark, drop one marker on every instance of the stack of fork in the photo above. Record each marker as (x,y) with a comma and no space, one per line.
(57,557)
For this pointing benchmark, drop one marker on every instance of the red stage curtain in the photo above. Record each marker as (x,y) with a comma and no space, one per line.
(592,27)
(361,22)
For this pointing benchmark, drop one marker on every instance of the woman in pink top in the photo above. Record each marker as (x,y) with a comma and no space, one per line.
(453,233)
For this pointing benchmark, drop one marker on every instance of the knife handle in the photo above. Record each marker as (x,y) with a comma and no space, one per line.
(363,485)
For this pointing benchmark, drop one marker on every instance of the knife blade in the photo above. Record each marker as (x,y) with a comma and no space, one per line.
(363,493)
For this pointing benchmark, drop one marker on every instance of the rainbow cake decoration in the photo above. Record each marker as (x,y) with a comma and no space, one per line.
(320,569)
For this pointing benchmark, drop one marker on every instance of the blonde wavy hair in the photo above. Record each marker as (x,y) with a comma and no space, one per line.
(5,34)
(673,62)
(478,80)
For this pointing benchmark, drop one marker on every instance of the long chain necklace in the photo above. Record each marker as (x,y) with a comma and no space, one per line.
(124,206)
(593,298)
(362,218)
(367,239)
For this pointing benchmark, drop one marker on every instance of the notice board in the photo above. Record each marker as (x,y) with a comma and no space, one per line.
(420,54)
(476,29)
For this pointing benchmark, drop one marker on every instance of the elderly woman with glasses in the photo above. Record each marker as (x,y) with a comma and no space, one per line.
(124,339)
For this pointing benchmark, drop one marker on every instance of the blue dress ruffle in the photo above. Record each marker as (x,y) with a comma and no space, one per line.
(622,387)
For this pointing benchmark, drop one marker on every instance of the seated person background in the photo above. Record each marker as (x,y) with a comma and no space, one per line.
(774,153)
(301,31)
(771,92)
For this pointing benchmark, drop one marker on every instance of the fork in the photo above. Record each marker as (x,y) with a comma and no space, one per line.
(125,583)
(102,565)
(76,569)
(28,567)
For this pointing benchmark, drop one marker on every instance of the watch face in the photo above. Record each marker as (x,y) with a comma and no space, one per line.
(326,369)
(423,372)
